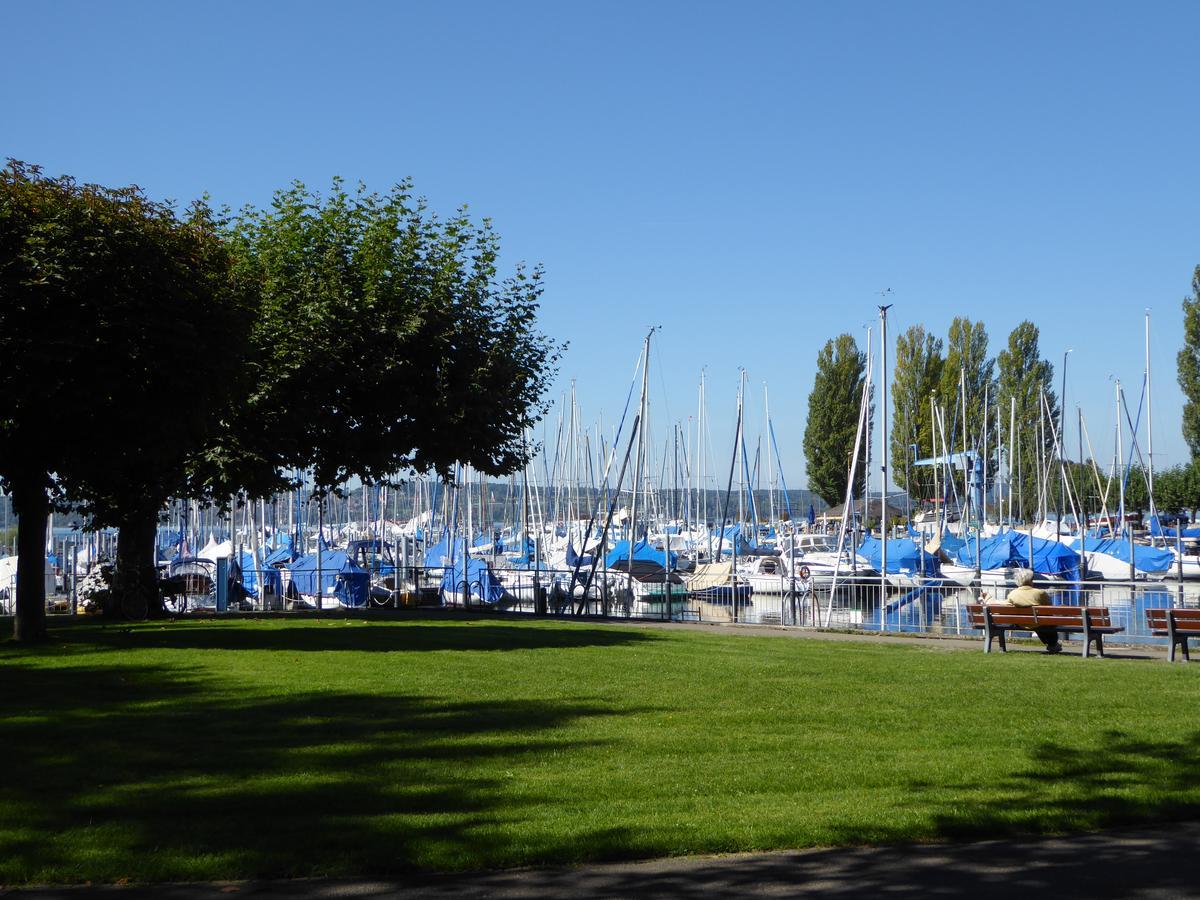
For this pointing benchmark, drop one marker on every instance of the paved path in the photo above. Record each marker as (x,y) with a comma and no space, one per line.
(1144,862)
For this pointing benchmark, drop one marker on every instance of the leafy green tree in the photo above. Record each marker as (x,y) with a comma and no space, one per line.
(120,335)
(967,364)
(1025,377)
(917,375)
(387,342)
(1137,493)
(833,413)
(1188,364)
(1175,488)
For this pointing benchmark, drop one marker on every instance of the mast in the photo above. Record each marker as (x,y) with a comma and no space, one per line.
(983,470)
(866,451)
(1149,423)
(1120,463)
(966,500)
(641,446)
(883,457)
(1012,425)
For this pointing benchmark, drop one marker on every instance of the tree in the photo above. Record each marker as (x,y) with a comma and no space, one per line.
(386,342)
(1188,365)
(1024,377)
(833,413)
(967,364)
(918,374)
(1175,488)
(120,336)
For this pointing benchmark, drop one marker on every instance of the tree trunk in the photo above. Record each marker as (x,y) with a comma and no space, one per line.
(32,506)
(135,579)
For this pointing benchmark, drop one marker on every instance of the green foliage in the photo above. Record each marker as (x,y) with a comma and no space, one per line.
(1177,488)
(387,341)
(1188,364)
(966,363)
(833,412)
(1137,491)
(1024,377)
(213,750)
(120,325)
(918,374)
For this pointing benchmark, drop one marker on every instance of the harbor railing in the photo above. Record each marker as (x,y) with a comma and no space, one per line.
(900,605)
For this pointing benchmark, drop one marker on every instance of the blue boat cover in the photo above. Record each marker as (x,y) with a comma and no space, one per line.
(514,545)
(904,555)
(1145,559)
(482,581)
(282,555)
(440,553)
(574,559)
(642,552)
(736,540)
(1157,530)
(350,583)
(1011,548)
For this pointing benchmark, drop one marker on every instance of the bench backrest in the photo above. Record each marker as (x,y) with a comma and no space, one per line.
(1185,619)
(1038,616)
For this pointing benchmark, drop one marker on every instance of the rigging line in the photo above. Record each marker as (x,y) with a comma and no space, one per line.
(1133,441)
(662,383)
(779,468)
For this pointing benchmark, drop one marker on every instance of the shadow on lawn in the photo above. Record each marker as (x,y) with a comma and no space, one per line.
(177,776)
(353,635)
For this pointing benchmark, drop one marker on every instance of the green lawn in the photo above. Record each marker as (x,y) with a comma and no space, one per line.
(201,749)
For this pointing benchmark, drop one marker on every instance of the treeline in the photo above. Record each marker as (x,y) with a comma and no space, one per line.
(153,354)
(945,393)
(941,392)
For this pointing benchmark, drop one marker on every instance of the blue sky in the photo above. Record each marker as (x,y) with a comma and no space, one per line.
(748,176)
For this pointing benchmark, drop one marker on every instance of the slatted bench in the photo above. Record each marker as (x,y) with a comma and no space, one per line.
(1177,625)
(1093,622)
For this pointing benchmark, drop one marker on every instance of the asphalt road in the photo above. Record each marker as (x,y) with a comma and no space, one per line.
(1140,862)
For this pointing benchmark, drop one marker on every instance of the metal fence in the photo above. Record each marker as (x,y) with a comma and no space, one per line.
(898,605)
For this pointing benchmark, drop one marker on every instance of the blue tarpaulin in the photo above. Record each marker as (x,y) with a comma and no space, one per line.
(904,555)
(440,553)
(642,552)
(1157,530)
(1011,548)
(574,559)
(1145,559)
(736,540)
(482,582)
(283,555)
(340,577)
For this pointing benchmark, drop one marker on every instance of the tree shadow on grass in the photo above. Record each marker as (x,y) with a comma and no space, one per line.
(351,635)
(153,773)
(1119,781)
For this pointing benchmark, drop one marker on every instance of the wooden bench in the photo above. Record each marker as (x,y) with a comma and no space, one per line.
(1177,625)
(1093,622)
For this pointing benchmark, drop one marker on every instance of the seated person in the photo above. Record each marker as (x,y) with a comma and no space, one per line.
(1025,594)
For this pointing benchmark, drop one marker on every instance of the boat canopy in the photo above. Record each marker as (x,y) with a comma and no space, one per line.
(1011,549)
(1145,559)
(710,575)
(574,559)
(439,554)
(339,577)
(283,555)
(904,555)
(618,556)
(1157,530)
(481,581)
